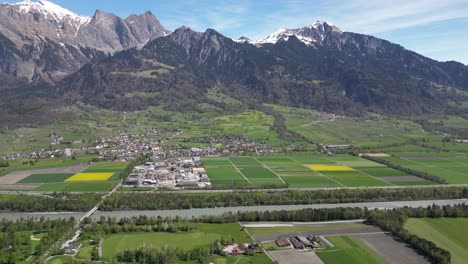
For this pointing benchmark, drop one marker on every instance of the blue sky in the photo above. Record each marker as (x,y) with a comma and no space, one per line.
(435,28)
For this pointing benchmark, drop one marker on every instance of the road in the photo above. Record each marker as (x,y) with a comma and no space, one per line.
(80,222)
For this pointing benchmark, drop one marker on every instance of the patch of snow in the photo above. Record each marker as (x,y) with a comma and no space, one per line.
(53,12)
(284,35)
(314,33)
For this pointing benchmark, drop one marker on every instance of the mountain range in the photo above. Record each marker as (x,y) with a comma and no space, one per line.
(133,63)
(43,41)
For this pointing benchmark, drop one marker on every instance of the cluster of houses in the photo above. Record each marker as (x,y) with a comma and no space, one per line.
(56,139)
(42,154)
(299,242)
(234,249)
(173,173)
(152,141)
(126,147)
(232,144)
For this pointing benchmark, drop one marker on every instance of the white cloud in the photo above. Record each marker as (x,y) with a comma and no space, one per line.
(370,16)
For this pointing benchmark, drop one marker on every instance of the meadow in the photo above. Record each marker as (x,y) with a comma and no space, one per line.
(349,250)
(378,132)
(202,236)
(44,178)
(447,165)
(106,167)
(448,233)
(99,177)
(301,171)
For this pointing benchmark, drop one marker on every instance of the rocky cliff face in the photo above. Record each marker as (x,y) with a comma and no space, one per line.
(332,71)
(43,41)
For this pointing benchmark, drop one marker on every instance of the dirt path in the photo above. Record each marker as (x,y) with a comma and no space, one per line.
(16,176)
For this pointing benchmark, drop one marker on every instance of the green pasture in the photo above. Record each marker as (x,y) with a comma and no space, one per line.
(239,161)
(224,175)
(354,179)
(382,172)
(282,168)
(311,159)
(203,236)
(309,182)
(265,181)
(263,170)
(349,250)
(367,133)
(45,178)
(106,167)
(216,161)
(253,172)
(450,166)
(272,160)
(6,197)
(448,233)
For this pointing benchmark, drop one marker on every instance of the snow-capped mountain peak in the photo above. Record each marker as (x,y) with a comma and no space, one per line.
(314,33)
(243,40)
(52,11)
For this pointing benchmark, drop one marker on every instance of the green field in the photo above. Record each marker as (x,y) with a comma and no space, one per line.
(107,167)
(382,172)
(6,197)
(354,179)
(448,233)
(203,236)
(16,165)
(309,182)
(294,171)
(223,175)
(57,181)
(450,166)
(366,133)
(239,161)
(45,178)
(349,250)
(103,186)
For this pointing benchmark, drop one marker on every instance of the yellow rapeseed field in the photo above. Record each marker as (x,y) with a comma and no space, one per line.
(95,176)
(320,167)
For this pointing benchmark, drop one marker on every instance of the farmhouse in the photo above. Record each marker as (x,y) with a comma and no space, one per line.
(305,241)
(132,179)
(73,247)
(334,146)
(234,249)
(297,244)
(282,242)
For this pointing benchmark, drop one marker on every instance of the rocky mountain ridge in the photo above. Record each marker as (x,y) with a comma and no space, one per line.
(343,72)
(133,63)
(41,41)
